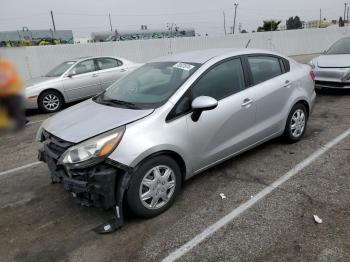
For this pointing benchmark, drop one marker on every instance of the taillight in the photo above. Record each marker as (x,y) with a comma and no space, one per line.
(312,75)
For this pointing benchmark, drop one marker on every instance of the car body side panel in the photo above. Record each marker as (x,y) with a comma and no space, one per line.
(36,90)
(82,86)
(220,132)
(270,98)
(150,135)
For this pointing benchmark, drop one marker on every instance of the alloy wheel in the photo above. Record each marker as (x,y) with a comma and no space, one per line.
(297,124)
(51,102)
(157,187)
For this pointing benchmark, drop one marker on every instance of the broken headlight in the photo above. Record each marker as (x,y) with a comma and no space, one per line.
(93,150)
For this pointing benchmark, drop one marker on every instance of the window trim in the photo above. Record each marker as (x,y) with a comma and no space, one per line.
(98,67)
(280,60)
(171,117)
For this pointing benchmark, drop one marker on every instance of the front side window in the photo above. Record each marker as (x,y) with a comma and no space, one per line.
(60,69)
(223,80)
(107,62)
(149,85)
(264,68)
(84,67)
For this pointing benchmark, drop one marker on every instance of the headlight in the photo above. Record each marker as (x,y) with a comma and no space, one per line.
(39,134)
(94,149)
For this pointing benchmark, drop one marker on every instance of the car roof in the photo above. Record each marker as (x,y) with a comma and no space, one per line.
(202,56)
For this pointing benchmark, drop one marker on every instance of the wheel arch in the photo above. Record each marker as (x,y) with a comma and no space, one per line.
(52,89)
(174,155)
(304,103)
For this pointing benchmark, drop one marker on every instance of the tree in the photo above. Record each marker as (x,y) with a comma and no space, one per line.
(294,23)
(269,25)
(341,22)
(244,31)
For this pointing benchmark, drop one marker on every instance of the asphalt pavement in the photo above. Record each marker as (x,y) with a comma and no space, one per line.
(41,222)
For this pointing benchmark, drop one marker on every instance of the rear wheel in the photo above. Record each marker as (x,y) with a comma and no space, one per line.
(50,101)
(296,123)
(154,186)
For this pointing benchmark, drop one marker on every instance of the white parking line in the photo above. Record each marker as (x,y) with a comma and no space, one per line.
(245,206)
(19,168)
(35,122)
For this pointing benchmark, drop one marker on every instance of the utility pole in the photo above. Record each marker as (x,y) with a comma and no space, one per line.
(319,23)
(345,11)
(110,22)
(347,16)
(53,21)
(234,21)
(224,21)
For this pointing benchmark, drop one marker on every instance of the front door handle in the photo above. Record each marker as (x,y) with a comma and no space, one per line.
(94,75)
(123,70)
(247,102)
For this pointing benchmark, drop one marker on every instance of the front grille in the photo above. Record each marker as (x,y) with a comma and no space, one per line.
(55,145)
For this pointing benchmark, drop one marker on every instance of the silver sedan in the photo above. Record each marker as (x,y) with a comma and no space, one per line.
(332,68)
(171,119)
(75,80)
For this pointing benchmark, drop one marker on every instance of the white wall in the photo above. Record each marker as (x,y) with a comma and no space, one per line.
(35,61)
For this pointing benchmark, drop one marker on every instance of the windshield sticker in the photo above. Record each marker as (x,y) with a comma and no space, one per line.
(183,66)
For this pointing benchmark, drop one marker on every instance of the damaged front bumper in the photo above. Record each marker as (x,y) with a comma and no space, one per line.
(91,186)
(101,184)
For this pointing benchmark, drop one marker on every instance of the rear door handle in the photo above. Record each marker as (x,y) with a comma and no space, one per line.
(94,75)
(247,102)
(123,70)
(287,84)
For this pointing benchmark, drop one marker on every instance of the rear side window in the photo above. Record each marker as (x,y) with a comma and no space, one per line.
(264,68)
(107,62)
(223,80)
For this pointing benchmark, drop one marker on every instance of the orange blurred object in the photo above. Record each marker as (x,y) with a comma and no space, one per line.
(10,82)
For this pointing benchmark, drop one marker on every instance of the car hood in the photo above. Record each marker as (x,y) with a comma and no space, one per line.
(43,80)
(88,119)
(334,61)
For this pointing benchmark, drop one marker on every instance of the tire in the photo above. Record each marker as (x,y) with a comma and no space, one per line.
(296,124)
(146,173)
(50,101)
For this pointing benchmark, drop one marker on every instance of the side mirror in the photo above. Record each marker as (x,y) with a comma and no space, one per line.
(202,103)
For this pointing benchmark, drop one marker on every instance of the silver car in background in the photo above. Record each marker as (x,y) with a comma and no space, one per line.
(73,80)
(332,68)
(171,119)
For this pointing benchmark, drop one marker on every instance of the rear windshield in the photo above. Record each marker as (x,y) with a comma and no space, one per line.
(342,46)
(60,69)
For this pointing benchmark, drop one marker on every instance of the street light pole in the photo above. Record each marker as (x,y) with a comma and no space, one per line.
(234,21)
(345,11)
(224,21)
(110,22)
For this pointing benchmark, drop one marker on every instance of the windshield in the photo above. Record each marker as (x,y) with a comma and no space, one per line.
(60,69)
(148,86)
(340,47)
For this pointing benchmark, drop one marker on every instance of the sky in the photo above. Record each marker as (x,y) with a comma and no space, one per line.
(205,16)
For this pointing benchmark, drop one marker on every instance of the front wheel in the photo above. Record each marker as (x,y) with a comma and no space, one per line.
(296,123)
(154,186)
(50,101)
